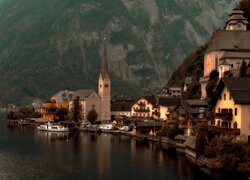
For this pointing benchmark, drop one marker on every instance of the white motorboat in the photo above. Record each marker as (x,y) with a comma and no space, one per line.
(52,128)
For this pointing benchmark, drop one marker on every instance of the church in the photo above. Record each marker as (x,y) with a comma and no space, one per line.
(227,49)
(88,98)
(104,87)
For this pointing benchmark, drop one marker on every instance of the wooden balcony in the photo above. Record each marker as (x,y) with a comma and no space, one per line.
(233,131)
(141,110)
(224,116)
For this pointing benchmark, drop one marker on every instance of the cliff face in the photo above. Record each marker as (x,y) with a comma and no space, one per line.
(49,45)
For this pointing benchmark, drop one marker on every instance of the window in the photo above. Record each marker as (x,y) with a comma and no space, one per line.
(232,65)
(220,97)
(106,85)
(230,97)
(235,111)
(100,85)
(225,96)
(218,110)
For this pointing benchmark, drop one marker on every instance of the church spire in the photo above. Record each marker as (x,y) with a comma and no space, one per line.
(104,70)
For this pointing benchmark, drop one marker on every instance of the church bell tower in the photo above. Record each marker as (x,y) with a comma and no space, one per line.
(104,87)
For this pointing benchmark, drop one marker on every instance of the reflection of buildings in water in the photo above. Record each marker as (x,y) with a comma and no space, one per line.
(48,137)
(104,157)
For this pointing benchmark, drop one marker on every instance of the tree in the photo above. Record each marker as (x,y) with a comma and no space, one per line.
(76,110)
(243,69)
(244,5)
(62,113)
(92,116)
(211,84)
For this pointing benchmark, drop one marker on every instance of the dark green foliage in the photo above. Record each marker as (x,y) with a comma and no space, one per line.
(11,115)
(243,69)
(214,75)
(23,113)
(212,83)
(76,110)
(244,5)
(92,116)
(191,66)
(234,155)
(62,114)
(170,132)
(50,45)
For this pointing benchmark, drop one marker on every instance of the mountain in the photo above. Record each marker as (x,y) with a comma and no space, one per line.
(51,45)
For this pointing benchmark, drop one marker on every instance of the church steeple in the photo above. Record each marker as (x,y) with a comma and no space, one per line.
(236,20)
(104,69)
(104,86)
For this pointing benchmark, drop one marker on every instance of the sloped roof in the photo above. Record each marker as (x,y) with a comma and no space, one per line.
(83,93)
(229,41)
(168,101)
(63,96)
(239,89)
(196,102)
(236,55)
(121,106)
(150,99)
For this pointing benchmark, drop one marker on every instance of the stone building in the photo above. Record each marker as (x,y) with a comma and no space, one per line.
(104,87)
(227,49)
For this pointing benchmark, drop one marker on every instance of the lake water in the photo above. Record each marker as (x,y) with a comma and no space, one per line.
(26,153)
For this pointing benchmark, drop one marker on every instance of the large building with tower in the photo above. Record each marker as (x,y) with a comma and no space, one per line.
(227,49)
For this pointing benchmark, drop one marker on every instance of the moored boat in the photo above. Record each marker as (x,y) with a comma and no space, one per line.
(52,128)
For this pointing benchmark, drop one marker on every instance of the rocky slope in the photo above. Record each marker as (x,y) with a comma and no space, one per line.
(49,45)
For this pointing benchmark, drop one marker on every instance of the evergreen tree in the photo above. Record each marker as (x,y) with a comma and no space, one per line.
(244,5)
(76,110)
(92,116)
(243,69)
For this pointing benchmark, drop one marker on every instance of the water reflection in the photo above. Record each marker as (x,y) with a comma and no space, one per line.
(89,156)
(53,136)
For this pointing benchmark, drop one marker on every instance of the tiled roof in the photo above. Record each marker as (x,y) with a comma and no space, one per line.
(236,55)
(63,96)
(168,101)
(229,40)
(83,93)
(239,89)
(196,102)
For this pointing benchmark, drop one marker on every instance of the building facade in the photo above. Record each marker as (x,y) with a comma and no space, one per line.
(227,49)
(89,100)
(232,106)
(144,107)
(104,88)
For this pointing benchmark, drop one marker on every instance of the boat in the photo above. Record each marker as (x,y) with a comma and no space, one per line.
(51,127)
(23,122)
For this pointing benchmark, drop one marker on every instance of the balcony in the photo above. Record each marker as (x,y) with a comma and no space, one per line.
(224,116)
(141,110)
(233,131)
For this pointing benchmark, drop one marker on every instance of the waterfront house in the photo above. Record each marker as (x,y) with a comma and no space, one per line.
(175,91)
(149,127)
(121,108)
(192,112)
(62,98)
(144,107)
(232,106)
(89,100)
(166,106)
(48,110)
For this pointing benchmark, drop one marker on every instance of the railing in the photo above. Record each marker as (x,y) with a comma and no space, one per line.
(225,130)
(224,116)
(141,110)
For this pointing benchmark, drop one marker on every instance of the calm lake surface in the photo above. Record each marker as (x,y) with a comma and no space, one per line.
(26,153)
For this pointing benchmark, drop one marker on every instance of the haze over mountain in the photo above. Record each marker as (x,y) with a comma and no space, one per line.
(51,45)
